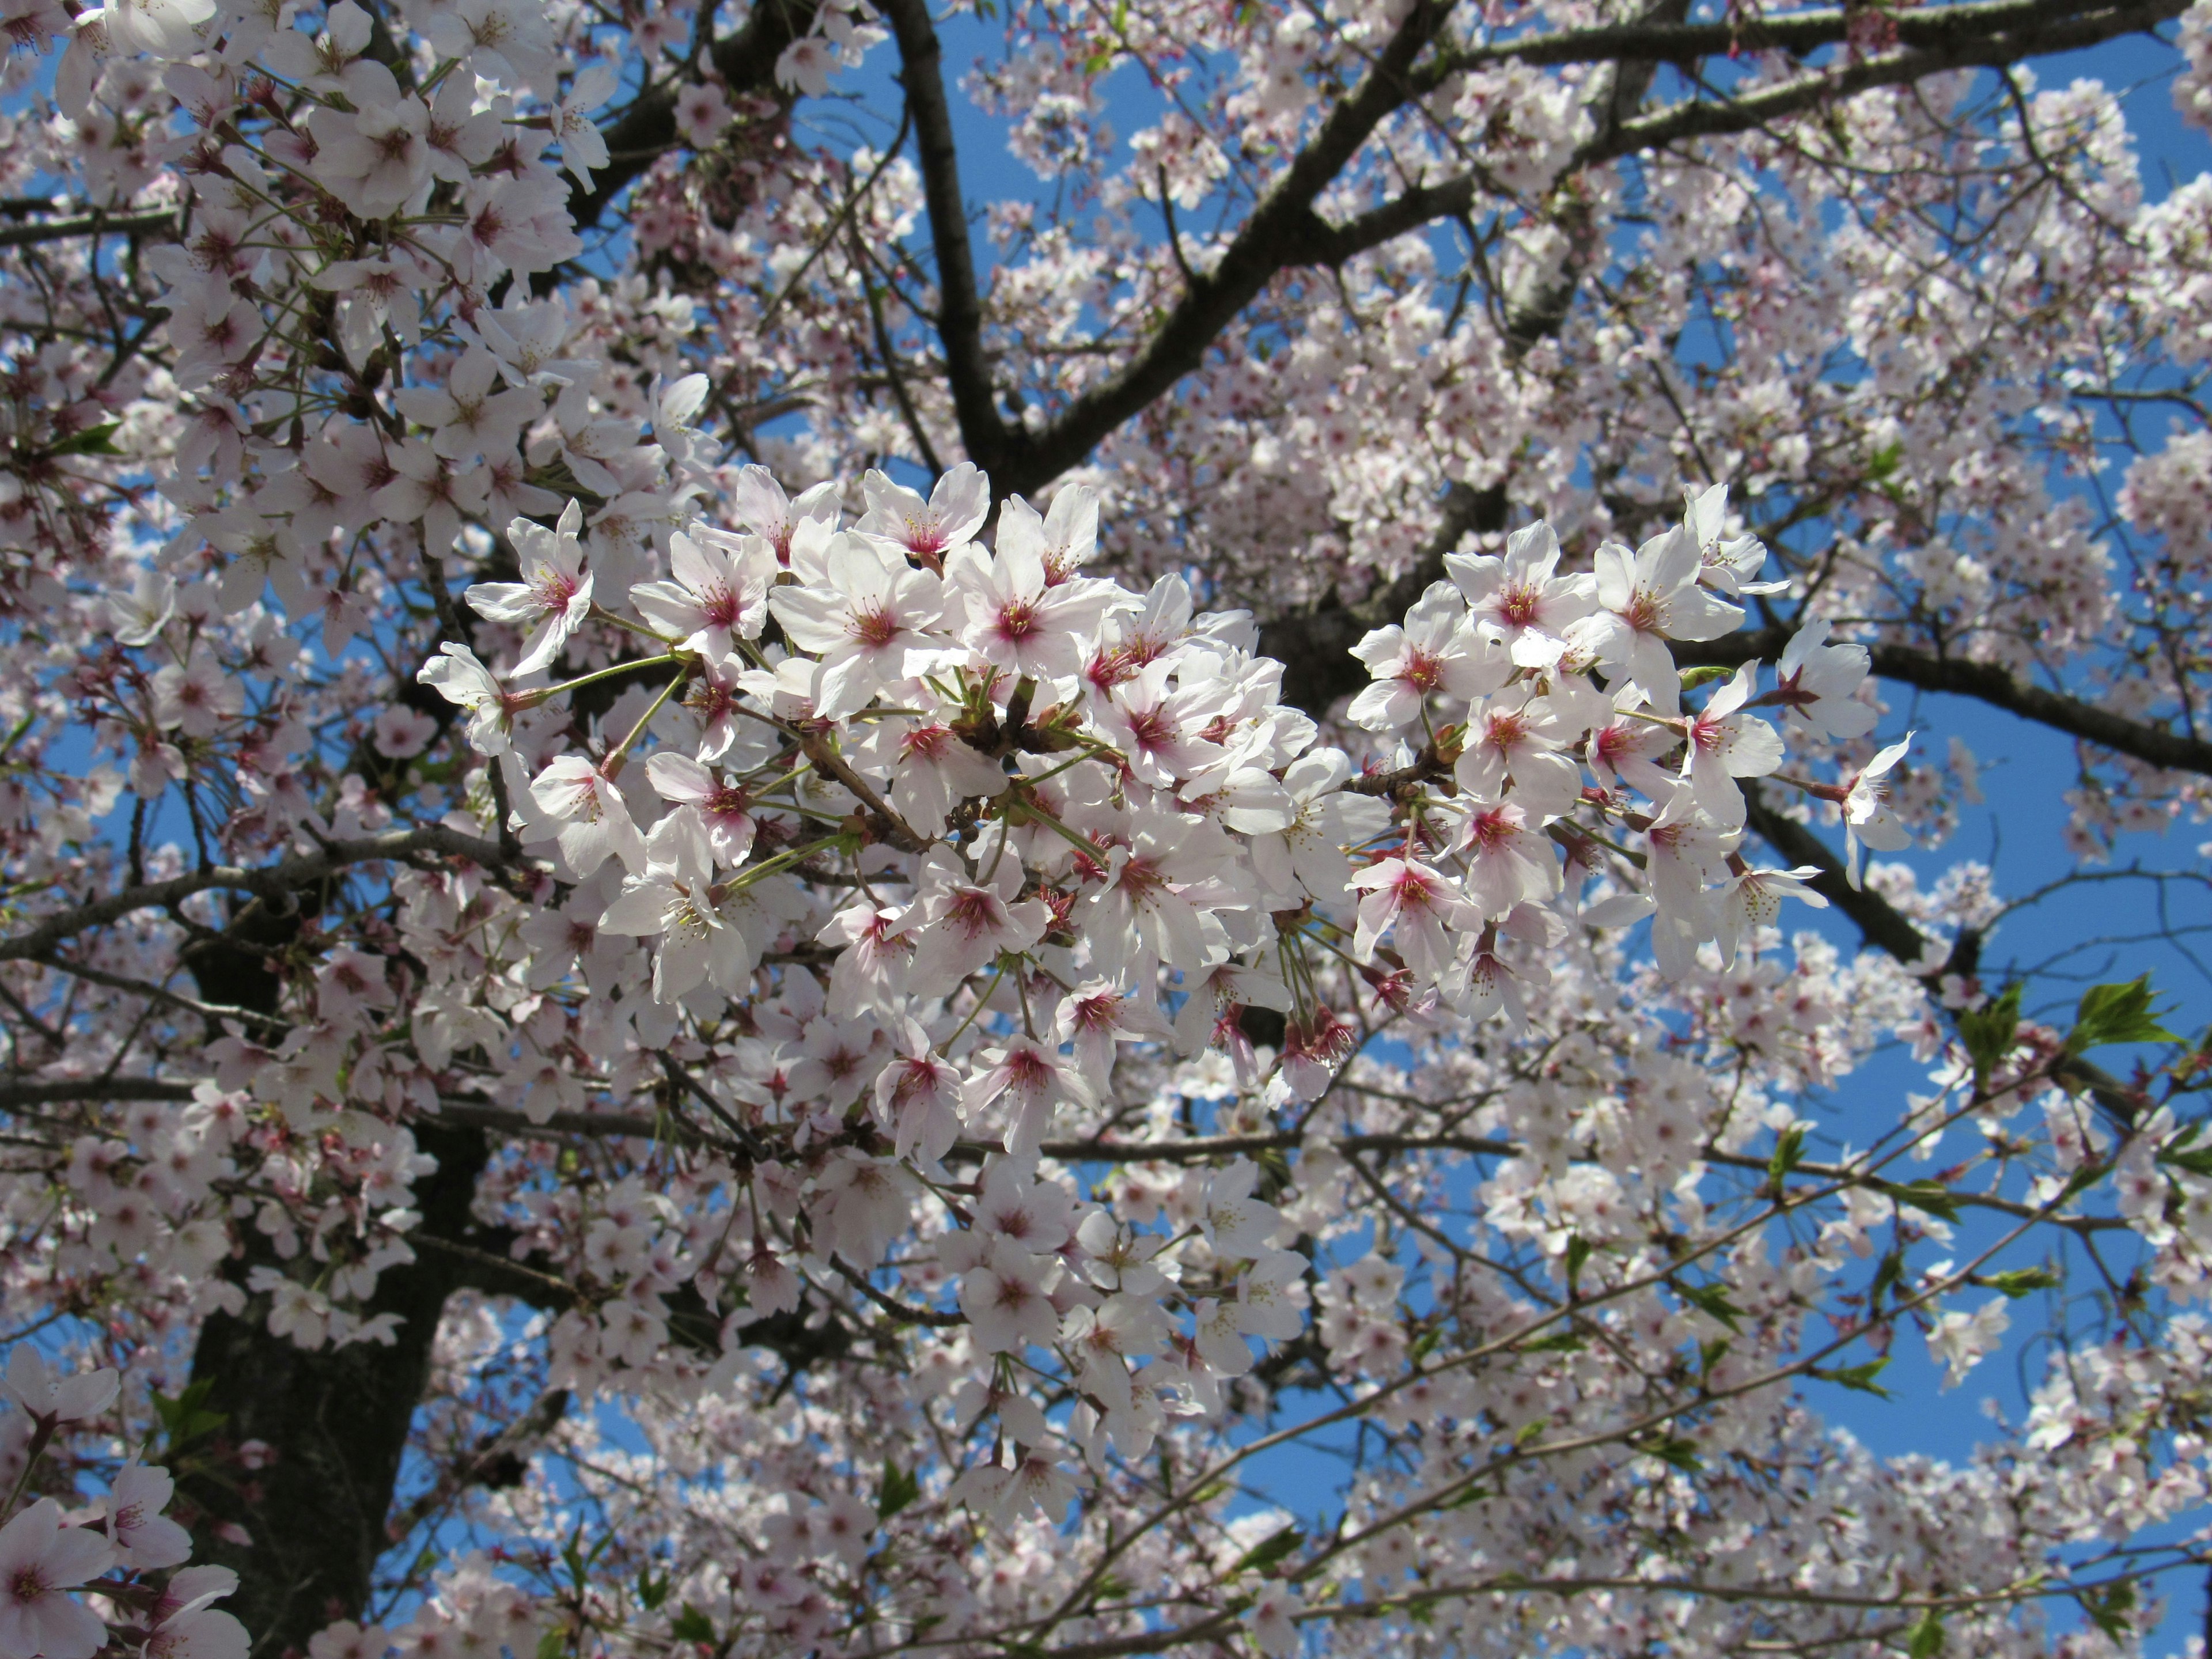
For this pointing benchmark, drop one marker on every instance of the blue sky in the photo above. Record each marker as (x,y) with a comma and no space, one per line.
(2095,932)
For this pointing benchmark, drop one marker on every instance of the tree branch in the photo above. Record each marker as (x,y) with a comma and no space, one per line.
(983,432)
(16,1096)
(274,882)
(747,62)
(1281,231)
(1795,33)
(2155,746)
(91,224)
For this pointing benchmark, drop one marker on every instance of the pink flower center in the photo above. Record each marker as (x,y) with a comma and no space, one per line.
(874,628)
(1519,605)
(974,911)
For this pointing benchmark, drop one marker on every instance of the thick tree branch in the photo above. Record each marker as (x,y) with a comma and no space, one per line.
(983,431)
(91,224)
(1281,231)
(747,62)
(1796,33)
(2154,745)
(276,882)
(61,1091)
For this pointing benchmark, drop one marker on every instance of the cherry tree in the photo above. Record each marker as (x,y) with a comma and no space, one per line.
(751,909)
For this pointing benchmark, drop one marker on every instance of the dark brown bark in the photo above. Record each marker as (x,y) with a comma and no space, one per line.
(336,1422)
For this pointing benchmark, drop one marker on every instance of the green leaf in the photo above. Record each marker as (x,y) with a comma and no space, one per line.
(552,1644)
(1269,1551)
(1989,1033)
(692,1625)
(1789,1152)
(185,1419)
(1929,1197)
(1704,674)
(1557,1342)
(1674,1450)
(2109,1609)
(2116,1013)
(1712,1300)
(899,1489)
(651,1591)
(2197,1160)
(1925,1640)
(1861,1378)
(2020,1281)
(1097,63)
(92,440)
(1884,462)
(1578,1254)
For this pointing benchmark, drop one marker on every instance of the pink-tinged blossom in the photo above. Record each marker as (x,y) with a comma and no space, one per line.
(758,502)
(144,1537)
(1687,854)
(1509,860)
(1417,906)
(40,1561)
(1869,819)
(1753,903)
(554,595)
(726,810)
(1648,598)
(1161,890)
(1007,1298)
(456,675)
(927,531)
(1027,1082)
(1159,728)
(930,768)
(400,732)
(1818,682)
(590,818)
(862,623)
(1099,1016)
(1724,743)
(719,596)
(1274,1614)
(917,1098)
(1434,653)
(969,919)
(1512,747)
(466,416)
(53,1396)
(1728,564)
(1020,616)
(1521,599)
(197,698)
(1309,857)
(1626,749)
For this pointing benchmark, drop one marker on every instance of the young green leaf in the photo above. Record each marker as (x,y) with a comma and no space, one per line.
(1713,1300)
(1861,1378)
(2019,1281)
(1269,1551)
(1929,1197)
(2116,1013)
(899,1489)
(1989,1032)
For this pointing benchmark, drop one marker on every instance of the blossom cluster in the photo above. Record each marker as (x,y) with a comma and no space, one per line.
(50,1558)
